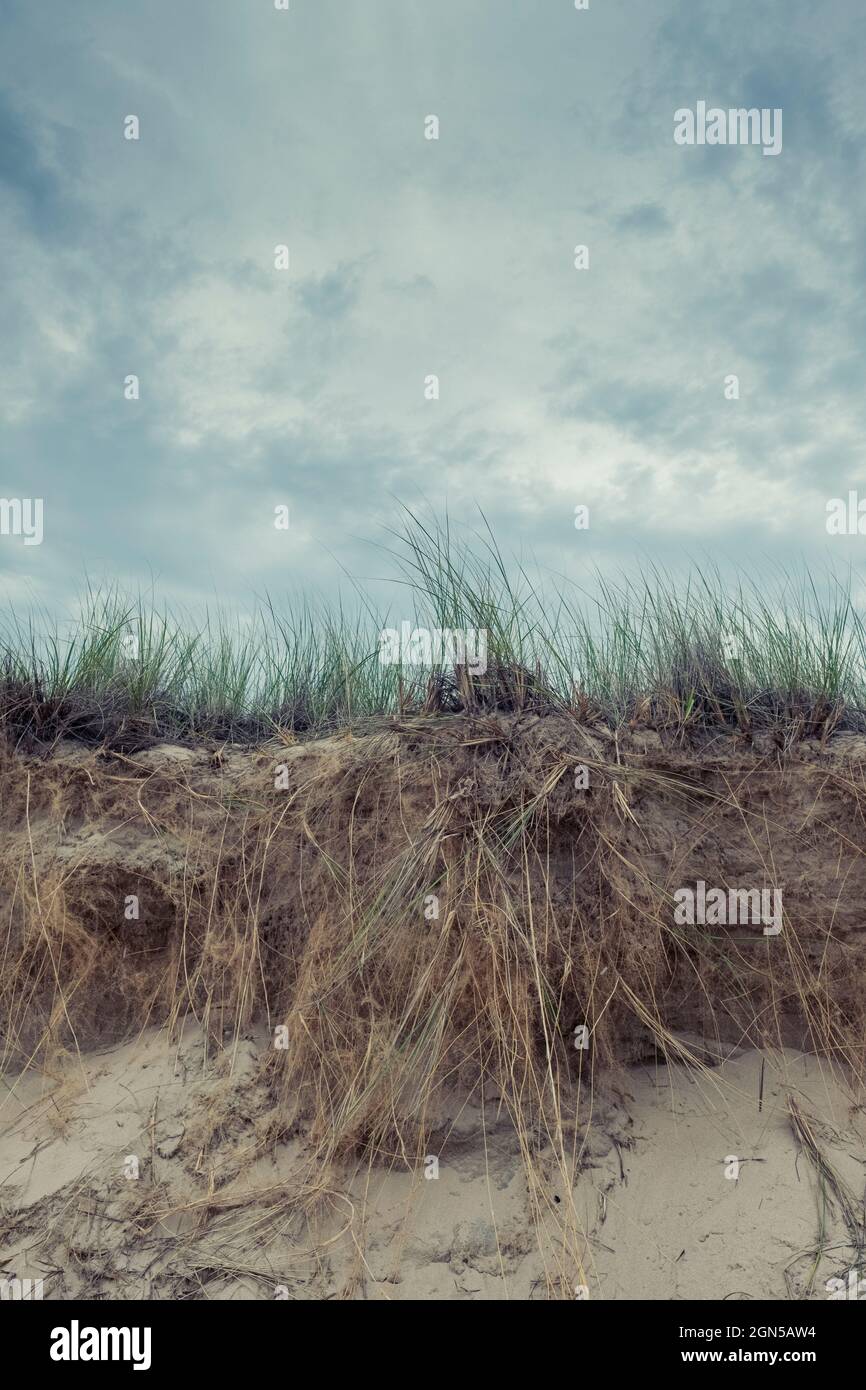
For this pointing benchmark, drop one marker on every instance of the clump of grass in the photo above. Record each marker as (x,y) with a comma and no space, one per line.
(681,656)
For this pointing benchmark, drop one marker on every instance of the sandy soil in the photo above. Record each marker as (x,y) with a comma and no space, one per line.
(661,1212)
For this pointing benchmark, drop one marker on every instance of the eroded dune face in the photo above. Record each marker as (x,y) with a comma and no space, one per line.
(391,947)
(456,854)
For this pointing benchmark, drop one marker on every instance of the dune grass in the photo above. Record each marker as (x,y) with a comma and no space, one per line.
(430,914)
(659,649)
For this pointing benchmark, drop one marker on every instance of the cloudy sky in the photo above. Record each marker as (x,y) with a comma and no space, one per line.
(410,257)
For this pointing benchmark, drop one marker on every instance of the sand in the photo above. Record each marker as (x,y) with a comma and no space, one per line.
(192,884)
(660,1212)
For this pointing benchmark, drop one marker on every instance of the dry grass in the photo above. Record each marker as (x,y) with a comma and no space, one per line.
(309,906)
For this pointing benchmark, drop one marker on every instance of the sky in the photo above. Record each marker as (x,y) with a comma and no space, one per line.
(606,386)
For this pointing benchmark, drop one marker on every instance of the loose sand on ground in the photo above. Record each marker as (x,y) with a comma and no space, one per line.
(662,1214)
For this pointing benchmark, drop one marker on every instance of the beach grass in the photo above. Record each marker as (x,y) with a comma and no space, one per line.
(690,652)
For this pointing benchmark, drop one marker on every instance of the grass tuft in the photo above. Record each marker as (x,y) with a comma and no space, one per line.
(685,657)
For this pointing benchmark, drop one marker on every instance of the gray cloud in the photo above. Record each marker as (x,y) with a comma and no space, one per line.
(411,258)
